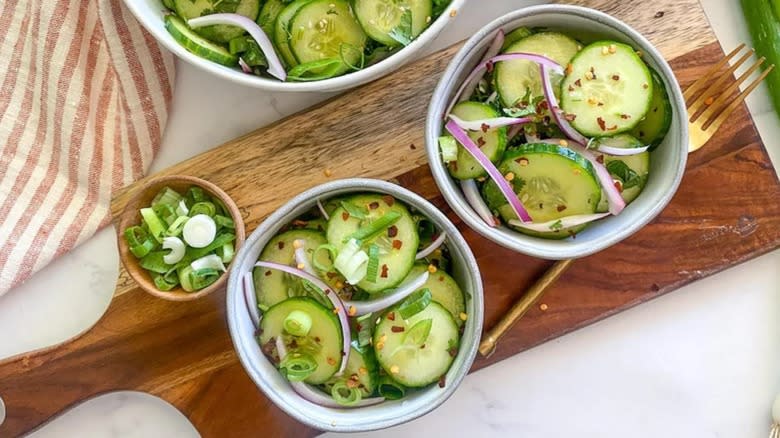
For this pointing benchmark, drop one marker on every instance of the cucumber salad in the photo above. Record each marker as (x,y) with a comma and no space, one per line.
(354,304)
(549,134)
(298,40)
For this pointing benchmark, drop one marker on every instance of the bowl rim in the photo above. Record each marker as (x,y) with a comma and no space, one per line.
(381,68)
(534,246)
(128,217)
(271,224)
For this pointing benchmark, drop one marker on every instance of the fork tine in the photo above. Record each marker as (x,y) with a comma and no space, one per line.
(696,86)
(707,110)
(697,104)
(714,124)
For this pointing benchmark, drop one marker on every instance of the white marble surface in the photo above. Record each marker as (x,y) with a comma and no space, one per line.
(702,361)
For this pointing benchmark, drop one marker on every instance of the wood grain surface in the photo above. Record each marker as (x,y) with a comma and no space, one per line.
(725,212)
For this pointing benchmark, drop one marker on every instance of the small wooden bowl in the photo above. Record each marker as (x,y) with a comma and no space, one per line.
(130,216)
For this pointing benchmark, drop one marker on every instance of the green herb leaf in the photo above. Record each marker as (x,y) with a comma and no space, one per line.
(403,32)
(625,174)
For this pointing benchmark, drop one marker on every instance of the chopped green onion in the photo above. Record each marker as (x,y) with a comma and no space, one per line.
(167,196)
(199,231)
(298,366)
(175,229)
(224,222)
(139,241)
(182,209)
(415,303)
(206,208)
(226,252)
(154,261)
(185,280)
(165,212)
(196,194)
(376,227)
(418,334)
(211,261)
(331,257)
(297,323)
(390,389)
(344,395)
(354,210)
(196,253)
(373,263)
(156,227)
(203,277)
(365,325)
(449,148)
(177,250)
(352,262)
(161,281)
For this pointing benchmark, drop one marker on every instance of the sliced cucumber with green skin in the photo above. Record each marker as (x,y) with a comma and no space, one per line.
(492,143)
(551,181)
(266,19)
(188,9)
(444,290)
(411,363)
(380,17)
(515,36)
(281,35)
(514,78)
(653,128)
(394,263)
(272,286)
(323,341)
(197,44)
(327,29)
(639,164)
(169,4)
(362,368)
(608,89)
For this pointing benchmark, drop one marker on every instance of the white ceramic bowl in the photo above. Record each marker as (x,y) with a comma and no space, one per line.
(150,14)
(277,388)
(667,162)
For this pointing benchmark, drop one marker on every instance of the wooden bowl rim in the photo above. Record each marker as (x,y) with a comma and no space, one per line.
(128,217)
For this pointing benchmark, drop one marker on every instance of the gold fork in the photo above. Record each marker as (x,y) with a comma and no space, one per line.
(709,105)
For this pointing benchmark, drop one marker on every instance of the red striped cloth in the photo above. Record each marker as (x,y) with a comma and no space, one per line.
(84,99)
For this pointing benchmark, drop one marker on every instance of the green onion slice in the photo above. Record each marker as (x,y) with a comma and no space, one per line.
(344,395)
(165,283)
(315,257)
(206,208)
(224,222)
(376,227)
(154,261)
(298,366)
(175,229)
(203,277)
(226,252)
(390,389)
(155,225)
(167,196)
(416,303)
(354,210)
(139,241)
(297,323)
(373,263)
(196,194)
(352,262)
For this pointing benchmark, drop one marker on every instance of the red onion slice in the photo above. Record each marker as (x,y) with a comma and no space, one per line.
(300,257)
(513,131)
(494,173)
(432,247)
(470,85)
(322,210)
(565,222)
(471,192)
(556,112)
(244,66)
(313,395)
(340,310)
(250,299)
(621,152)
(275,67)
(485,124)
(404,290)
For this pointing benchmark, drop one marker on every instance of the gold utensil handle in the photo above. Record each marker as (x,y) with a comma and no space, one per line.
(488,344)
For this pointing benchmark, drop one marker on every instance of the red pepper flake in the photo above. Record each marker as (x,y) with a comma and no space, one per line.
(397,244)
(267,273)
(561,208)
(397,329)
(615,77)
(612,128)
(578,82)
(317,339)
(569,68)
(441,278)
(280,245)
(389,200)
(569,117)
(373,205)
(300,223)
(442,381)
(384,271)
(453,351)
(481,141)
(358,327)
(600,159)
(392,231)
(330,274)
(331,361)
(484,127)
(619,186)
(602,123)
(489,66)
(571,88)
(601,104)
(391,316)
(645,86)
(345,215)
(625,116)
(522,161)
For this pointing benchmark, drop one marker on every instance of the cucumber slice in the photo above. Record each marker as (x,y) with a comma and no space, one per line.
(188,9)
(327,29)
(381,19)
(169,4)
(514,78)
(492,143)
(552,181)
(444,290)
(197,44)
(394,263)
(411,363)
(653,128)
(362,368)
(272,286)
(608,89)
(281,33)
(267,17)
(323,341)
(633,172)
(515,36)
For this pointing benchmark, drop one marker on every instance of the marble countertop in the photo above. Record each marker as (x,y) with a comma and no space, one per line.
(702,361)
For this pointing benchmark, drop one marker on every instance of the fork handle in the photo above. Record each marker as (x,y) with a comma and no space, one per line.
(488,345)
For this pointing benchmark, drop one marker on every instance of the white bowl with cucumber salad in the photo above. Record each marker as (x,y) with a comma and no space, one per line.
(356,306)
(299,45)
(574,180)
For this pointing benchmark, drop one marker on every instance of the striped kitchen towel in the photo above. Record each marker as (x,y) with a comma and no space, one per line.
(84,99)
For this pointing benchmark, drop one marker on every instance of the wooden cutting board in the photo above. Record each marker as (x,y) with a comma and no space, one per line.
(726,212)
